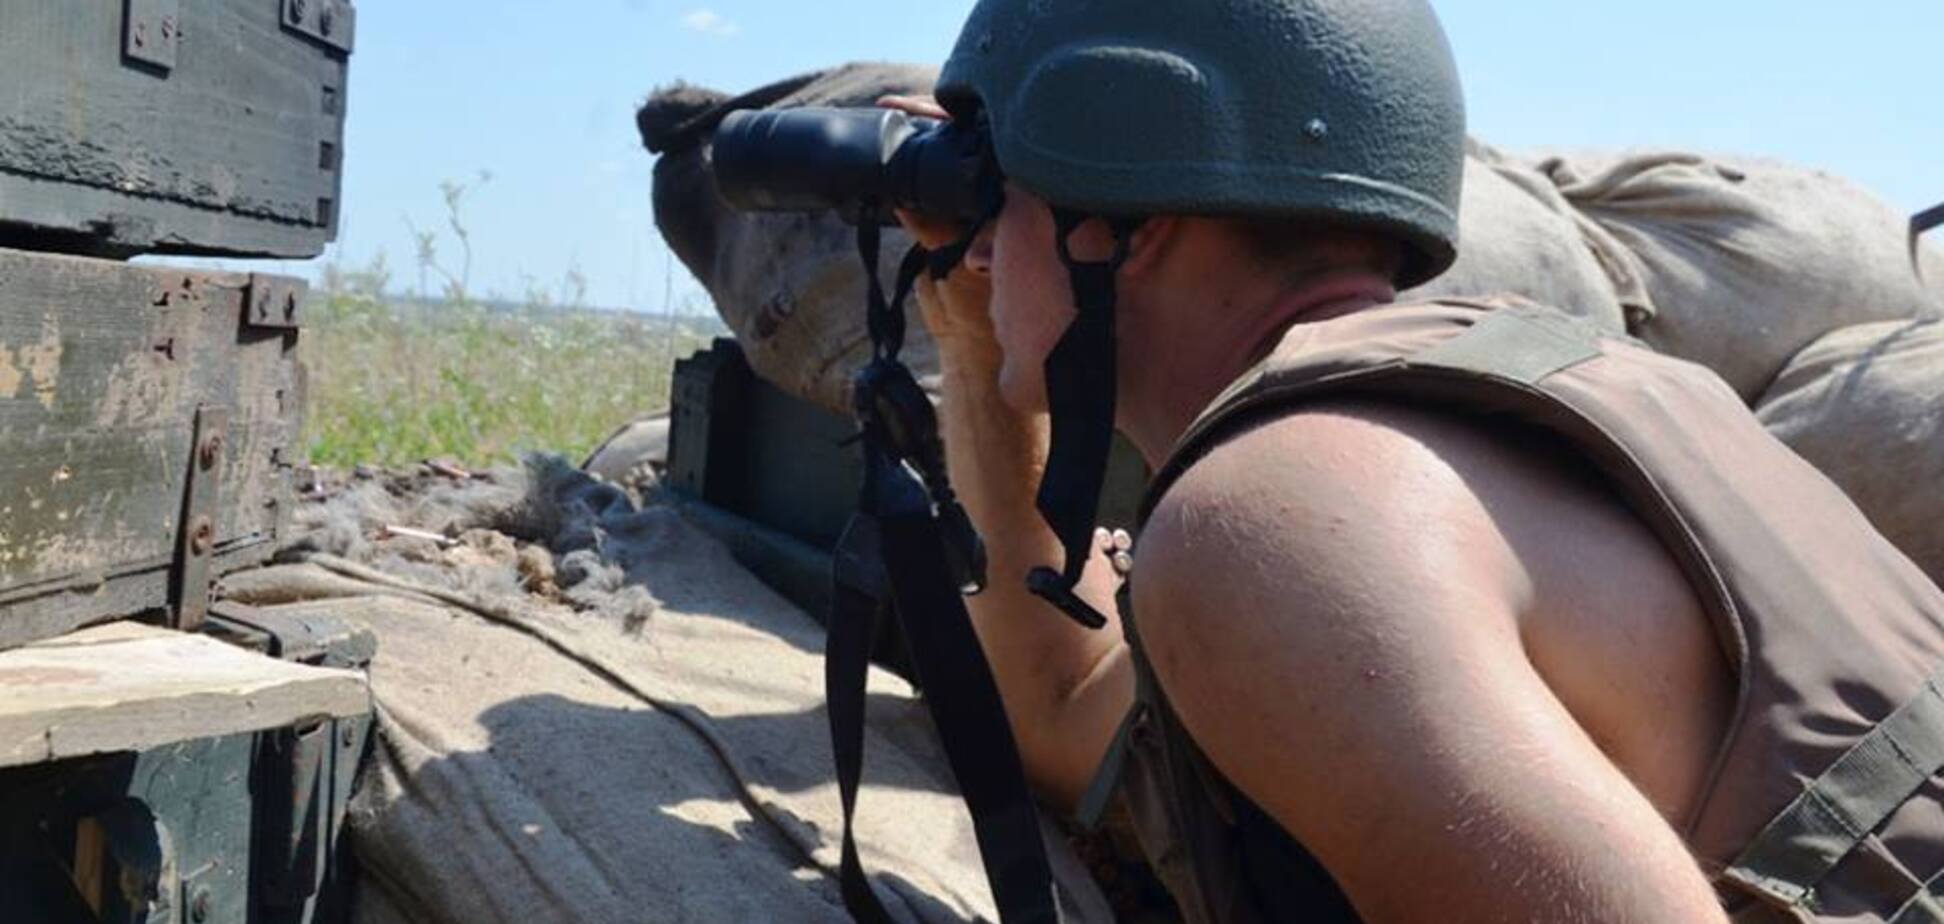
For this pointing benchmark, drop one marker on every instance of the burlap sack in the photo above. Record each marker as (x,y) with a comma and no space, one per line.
(1866,405)
(791,287)
(1518,235)
(1738,263)
(649,744)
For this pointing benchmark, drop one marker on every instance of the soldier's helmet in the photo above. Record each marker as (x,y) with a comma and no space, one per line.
(1342,111)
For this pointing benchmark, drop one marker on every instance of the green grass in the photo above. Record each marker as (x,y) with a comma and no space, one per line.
(396,381)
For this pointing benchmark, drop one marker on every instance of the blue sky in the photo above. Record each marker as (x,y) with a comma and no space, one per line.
(541,96)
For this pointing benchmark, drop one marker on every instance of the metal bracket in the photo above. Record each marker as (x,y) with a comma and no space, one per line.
(314,639)
(333,22)
(291,832)
(196,535)
(707,400)
(151,32)
(205,899)
(1927,220)
(273,302)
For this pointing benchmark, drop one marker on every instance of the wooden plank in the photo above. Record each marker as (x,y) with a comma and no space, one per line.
(128,688)
(102,369)
(43,214)
(232,148)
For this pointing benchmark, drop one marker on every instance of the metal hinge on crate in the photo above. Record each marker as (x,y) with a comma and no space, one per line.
(196,532)
(273,301)
(151,33)
(333,22)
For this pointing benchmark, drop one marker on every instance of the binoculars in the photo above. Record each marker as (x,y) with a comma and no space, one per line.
(858,162)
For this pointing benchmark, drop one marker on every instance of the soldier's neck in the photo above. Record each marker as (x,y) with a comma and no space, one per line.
(1176,362)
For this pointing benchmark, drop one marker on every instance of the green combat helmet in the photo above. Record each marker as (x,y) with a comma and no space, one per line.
(1347,111)
(1344,112)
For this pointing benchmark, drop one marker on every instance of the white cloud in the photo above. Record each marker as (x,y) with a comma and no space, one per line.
(709,22)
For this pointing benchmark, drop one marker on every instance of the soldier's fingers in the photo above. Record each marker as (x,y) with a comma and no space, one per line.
(930,231)
(926,106)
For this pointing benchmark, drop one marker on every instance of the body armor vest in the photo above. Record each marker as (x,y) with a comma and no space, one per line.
(1825,802)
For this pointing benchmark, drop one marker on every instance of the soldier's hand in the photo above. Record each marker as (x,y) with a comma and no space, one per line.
(954,309)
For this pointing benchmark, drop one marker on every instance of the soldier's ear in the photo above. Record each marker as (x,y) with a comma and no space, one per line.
(1150,243)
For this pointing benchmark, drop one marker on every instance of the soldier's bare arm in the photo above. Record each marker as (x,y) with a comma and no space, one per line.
(1065,688)
(1337,617)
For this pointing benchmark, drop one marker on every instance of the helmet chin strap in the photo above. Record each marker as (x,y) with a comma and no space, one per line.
(1080,386)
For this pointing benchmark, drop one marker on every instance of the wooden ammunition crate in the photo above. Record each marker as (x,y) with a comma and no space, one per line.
(148,418)
(172,126)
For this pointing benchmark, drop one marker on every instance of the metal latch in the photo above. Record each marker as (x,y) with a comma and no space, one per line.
(273,301)
(317,639)
(333,22)
(293,772)
(196,535)
(303,780)
(151,31)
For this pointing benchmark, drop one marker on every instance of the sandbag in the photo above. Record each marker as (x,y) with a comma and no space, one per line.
(1737,263)
(545,758)
(1866,406)
(1518,235)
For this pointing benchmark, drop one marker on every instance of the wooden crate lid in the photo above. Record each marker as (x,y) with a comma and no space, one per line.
(129,687)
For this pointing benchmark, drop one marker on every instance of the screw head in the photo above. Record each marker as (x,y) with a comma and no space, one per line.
(210,451)
(348,734)
(297,10)
(202,536)
(1317,130)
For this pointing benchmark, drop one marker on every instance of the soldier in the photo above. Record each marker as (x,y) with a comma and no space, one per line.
(1446,611)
